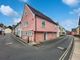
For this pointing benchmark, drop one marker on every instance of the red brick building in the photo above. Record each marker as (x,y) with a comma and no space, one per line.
(36,27)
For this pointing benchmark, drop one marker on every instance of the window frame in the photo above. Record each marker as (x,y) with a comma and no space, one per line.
(25,13)
(43,23)
(25,23)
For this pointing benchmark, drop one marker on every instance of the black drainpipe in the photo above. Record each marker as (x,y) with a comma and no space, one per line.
(35,29)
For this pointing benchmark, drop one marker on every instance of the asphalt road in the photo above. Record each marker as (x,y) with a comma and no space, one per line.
(11,49)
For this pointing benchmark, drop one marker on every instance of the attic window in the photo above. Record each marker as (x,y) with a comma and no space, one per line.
(25,13)
(26,24)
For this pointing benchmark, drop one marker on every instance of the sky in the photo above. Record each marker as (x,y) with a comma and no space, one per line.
(65,12)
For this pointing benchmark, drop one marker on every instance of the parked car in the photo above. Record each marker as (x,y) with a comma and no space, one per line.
(2,32)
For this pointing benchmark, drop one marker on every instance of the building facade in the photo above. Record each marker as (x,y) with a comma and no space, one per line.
(7,30)
(78,28)
(76,31)
(36,27)
(18,30)
(62,31)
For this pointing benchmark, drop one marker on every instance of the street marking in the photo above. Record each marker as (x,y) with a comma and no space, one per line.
(66,52)
(9,43)
(61,48)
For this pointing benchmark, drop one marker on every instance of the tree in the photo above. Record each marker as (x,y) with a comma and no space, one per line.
(10,27)
(1,25)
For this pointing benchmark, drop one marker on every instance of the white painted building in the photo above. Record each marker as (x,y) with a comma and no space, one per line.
(8,30)
(18,30)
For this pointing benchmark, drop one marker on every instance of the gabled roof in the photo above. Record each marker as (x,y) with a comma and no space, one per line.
(37,13)
(17,24)
(74,29)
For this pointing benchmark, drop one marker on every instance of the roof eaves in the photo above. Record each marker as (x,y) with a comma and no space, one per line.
(37,13)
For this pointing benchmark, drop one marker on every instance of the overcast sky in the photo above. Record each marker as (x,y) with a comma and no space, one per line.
(65,12)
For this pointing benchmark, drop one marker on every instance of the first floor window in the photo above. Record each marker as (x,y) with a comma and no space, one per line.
(43,24)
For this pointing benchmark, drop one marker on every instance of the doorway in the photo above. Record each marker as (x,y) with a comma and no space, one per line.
(45,36)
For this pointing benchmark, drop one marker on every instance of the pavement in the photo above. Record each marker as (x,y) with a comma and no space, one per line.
(11,49)
(76,53)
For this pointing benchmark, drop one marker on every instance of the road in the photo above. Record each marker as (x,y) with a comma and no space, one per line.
(11,49)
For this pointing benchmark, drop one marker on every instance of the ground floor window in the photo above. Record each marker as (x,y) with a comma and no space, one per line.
(24,33)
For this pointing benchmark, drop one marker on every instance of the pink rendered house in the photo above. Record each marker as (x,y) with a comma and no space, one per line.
(36,27)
